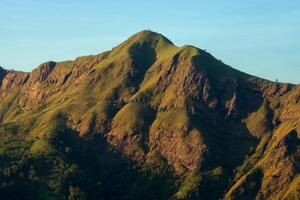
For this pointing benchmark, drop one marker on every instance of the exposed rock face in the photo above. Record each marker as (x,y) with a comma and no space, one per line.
(11,82)
(42,72)
(155,102)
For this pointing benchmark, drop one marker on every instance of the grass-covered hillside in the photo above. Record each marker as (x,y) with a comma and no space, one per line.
(147,120)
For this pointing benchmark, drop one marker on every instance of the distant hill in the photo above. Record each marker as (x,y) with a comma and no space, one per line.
(147,120)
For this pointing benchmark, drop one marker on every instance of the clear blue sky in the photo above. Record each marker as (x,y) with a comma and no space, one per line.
(261,37)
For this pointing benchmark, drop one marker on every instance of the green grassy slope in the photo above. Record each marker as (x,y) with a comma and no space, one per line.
(147,120)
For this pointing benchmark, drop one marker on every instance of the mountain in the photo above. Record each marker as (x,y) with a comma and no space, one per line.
(147,120)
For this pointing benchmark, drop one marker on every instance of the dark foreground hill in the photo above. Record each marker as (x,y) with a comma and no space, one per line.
(147,120)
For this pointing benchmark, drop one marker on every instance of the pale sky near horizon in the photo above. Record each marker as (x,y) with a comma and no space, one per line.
(260,37)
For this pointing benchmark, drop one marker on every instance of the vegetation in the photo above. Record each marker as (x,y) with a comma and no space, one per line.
(259,122)
(147,120)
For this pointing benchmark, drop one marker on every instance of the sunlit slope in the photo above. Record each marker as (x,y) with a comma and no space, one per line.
(147,116)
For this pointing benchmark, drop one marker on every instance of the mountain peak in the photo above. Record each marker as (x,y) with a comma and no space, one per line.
(150,35)
(146,38)
(152,38)
(174,120)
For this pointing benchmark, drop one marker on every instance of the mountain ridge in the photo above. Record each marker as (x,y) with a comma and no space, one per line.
(144,35)
(172,113)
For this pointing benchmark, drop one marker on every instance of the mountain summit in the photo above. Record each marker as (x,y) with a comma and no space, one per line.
(147,120)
